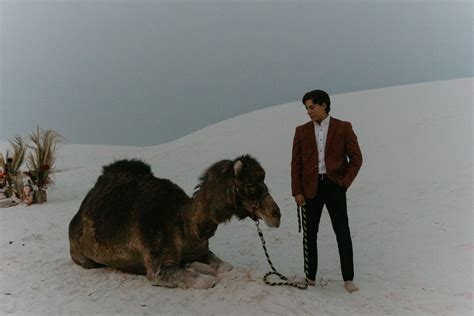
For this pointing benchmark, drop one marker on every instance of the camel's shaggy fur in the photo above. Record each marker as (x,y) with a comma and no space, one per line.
(135,222)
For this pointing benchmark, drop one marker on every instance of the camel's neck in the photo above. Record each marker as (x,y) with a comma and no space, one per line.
(205,213)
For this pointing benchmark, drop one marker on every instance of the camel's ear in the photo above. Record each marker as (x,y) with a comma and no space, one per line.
(238,168)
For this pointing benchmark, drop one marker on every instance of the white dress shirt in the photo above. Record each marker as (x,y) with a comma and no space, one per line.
(321,134)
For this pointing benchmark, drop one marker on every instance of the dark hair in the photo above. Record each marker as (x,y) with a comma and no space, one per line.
(318,97)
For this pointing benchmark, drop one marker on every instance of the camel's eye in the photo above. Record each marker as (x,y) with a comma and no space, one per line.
(256,190)
(256,181)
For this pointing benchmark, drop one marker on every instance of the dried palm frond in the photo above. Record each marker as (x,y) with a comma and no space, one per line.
(2,161)
(17,185)
(19,151)
(12,163)
(41,160)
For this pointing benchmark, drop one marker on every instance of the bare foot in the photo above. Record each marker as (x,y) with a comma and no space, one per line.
(350,287)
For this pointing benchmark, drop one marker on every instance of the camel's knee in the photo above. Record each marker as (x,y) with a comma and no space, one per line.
(175,276)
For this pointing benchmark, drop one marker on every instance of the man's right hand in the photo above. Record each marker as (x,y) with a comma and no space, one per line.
(299,199)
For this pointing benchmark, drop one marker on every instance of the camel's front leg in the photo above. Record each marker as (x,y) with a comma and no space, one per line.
(211,265)
(216,262)
(164,269)
(177,276)
(202,268)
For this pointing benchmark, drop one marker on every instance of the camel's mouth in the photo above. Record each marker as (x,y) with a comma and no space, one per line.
(266,210)
(269,212)
(271,221)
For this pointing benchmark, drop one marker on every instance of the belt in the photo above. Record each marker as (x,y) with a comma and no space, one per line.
(322,176)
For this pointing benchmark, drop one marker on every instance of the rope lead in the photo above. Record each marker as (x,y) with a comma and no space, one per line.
(305,238)
(274,271)
(299,217)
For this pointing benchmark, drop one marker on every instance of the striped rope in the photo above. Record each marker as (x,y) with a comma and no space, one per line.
(322,281)
(305,238)
(284,279)
(299,217)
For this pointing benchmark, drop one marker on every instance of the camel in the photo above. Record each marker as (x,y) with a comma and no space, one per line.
(138,223)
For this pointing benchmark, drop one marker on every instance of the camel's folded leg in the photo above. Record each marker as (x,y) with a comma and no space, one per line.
(177,276)
(217,262)
(202,268)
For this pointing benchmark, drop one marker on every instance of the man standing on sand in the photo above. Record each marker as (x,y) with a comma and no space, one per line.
(325,160)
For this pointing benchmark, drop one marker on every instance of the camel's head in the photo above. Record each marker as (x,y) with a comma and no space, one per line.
(252,193)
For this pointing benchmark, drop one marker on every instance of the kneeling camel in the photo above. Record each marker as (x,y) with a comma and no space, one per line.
(135,222)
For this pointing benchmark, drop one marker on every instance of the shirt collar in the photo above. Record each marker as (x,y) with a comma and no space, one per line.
(324,122)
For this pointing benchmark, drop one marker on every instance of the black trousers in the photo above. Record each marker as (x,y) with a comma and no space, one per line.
(334,197)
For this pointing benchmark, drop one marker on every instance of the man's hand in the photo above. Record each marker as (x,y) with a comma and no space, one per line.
(299,199)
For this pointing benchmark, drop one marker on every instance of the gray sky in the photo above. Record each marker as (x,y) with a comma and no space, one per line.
(148,72)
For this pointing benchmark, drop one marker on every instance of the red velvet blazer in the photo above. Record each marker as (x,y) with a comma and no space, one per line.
(342,156)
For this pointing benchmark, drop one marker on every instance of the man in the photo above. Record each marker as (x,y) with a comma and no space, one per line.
(325,160)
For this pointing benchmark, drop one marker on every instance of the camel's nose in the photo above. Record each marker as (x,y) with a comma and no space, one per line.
(276,215)
(276,212)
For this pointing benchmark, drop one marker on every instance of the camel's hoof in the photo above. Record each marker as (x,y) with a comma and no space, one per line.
(202,268)
(203,281)
(186,279)
(224,267)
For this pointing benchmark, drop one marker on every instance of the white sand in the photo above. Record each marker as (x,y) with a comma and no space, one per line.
(410,211)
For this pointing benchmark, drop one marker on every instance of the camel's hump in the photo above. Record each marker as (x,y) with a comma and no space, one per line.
(134,167)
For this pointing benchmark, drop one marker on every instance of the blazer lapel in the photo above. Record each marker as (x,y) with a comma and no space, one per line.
(311,138)
(332,128)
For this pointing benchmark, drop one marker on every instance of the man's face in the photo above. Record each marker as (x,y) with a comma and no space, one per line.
(317,112)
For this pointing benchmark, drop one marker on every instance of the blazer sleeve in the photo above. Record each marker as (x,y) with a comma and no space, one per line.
(296,165)
(354,154)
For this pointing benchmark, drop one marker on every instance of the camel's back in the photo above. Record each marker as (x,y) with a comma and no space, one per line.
(128,196)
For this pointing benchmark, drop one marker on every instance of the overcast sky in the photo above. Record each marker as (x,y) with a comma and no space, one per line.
(148,72)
